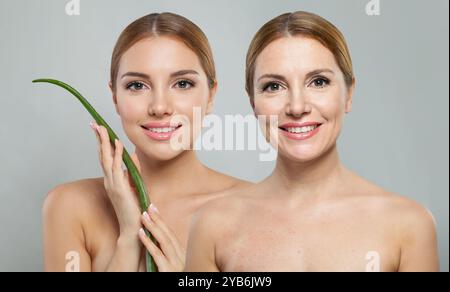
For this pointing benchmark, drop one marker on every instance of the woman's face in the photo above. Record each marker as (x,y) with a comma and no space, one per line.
(160,78)
(298,80)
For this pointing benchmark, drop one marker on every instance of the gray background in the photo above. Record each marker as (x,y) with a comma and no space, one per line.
(396,136)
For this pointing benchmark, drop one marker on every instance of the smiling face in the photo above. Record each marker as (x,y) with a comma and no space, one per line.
(160,78)
(298,80)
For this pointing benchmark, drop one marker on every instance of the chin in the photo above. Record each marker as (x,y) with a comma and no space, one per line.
(162,152)
(301,154)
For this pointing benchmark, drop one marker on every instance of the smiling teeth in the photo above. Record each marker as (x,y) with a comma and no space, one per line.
(301,129)
(162,130)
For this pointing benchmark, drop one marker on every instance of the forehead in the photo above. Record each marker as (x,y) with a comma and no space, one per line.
(159,54)
(298,54)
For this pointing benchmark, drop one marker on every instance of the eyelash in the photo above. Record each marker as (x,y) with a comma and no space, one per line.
(130,85)
(267,85)
(134,83)
(188,82)
(325,80)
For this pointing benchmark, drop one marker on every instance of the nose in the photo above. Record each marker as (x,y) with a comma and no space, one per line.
(160,104)
(297,104)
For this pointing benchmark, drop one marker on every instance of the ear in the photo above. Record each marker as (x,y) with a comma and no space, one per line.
(349,99)
(114,97)
(211,98)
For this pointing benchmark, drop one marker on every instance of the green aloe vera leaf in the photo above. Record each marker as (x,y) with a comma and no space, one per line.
(134,173)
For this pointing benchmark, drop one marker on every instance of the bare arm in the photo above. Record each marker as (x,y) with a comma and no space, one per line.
(201,248)
(64,244)
(65,247)
(127,256)
(419,251)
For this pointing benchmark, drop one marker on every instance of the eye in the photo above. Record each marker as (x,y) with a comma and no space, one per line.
(320,82)
(184,84)
(136,86)
(272,87)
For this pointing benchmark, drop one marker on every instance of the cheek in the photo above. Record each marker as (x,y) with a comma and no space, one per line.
(131,109)
(184,104)
(268,106)
(190,108)
(332,106)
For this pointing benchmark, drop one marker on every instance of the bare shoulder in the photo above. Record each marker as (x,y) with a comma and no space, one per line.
(413,227)
(71,215)
(225,184)
(211,220)
(77,192)
(227,206)
(75,198)
(220,186)
(412,218)
(405,215)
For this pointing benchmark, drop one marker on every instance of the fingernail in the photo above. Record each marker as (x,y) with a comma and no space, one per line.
(153,208)
(147,217)
(95,127)
(141,231)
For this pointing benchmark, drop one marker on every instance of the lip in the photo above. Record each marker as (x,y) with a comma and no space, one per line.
(160,125)
(160,136)
(299,125)
(300,136)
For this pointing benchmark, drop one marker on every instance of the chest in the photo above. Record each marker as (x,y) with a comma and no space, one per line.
(326,243)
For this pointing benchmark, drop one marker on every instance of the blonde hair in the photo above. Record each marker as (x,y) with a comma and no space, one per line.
(293,24)
(165,24)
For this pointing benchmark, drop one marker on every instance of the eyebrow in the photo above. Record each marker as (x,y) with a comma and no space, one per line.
(308,75)
(135,74)
(174,74)
(183,72)
(318,71)
(273,76)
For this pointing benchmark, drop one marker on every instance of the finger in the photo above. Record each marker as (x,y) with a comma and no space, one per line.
(117,170)
(175,243)
(154,251)
(130,180)
(127,175)
(94,128)
(164,241)
(106,150)
(135,159)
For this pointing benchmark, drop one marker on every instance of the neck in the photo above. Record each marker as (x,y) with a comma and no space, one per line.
(312,179)
(168,180)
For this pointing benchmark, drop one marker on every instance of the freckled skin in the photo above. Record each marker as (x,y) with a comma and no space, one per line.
(323,235)
(311,214)
(260,229)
